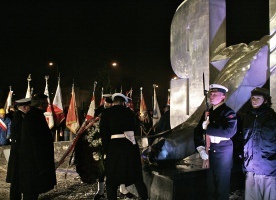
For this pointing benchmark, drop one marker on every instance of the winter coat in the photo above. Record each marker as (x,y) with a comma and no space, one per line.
(13,165)
(37,166)
(5,133)
(259,131)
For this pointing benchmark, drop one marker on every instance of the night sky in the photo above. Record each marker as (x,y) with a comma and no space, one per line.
(82,37)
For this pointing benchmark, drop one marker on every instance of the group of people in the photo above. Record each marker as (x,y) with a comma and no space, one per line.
(31,166)
(212,138)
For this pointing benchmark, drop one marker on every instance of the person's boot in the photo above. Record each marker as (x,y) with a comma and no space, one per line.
(100,192)
(124,192)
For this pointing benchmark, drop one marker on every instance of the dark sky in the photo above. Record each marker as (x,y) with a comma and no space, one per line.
(82,36)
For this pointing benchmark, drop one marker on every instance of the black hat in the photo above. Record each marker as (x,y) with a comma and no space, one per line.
(24,101)
(107,98)
(260,91)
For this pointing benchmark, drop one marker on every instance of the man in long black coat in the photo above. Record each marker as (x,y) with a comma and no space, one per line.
(37,166)
(123,163)
(23,106)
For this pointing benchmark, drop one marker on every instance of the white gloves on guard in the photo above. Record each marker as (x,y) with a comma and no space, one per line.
(202,152)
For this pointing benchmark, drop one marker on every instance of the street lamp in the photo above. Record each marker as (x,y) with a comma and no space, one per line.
(51,64)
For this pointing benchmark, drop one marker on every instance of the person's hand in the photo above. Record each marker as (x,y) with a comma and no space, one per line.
(205,123)
(205,164)
(202,152)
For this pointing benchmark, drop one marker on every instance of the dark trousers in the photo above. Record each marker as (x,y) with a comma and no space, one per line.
(30,196)
(218,181)
(15,194)
(141,188)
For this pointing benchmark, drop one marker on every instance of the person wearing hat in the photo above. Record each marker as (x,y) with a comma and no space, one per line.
(37,166)
(5,125)
(220,126)
(259,134)
(23,106)
(107,104)
(123,164)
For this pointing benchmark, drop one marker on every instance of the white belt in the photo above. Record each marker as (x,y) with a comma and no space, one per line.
(127,134)
(216,139)
(118,136)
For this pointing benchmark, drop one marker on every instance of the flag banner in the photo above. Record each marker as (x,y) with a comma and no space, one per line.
(92,106)
(143,107)
(102,98)
(91,109)
(8,101)
(72,119)
(49,113)
(57,106)
(3,125)
(156,110)
(29,92)
(130,102)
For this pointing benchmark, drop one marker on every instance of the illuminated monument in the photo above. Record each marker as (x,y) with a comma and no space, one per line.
(198,45)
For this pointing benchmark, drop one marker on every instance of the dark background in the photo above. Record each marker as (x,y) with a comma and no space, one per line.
(84,37)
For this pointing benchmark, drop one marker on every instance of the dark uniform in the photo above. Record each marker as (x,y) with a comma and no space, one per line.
(123,163)
(13,165)
(37,167)
(223,123)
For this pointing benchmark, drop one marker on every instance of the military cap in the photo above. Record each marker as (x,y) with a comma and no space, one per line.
(260,91)
(22,102)
(218,88)
(107,98)
(119,95)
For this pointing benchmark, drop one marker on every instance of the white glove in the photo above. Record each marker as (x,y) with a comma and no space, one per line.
(202,152)
(205,123)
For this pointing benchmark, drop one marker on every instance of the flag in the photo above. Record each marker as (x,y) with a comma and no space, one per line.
(130,103)
(91,109)
(156,111)
(8,101)
(72,119)
(57,105)
(169,100)
(102,98)
(143,107)
(29,92)
(49,113)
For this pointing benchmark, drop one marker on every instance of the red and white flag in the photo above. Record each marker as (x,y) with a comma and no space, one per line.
(57,105)
(72,119)
(143,107)
(49,113)
(29,91)
(91,109)
(156,111)
(8,101)
(102,98)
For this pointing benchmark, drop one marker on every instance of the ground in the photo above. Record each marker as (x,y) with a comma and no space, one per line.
(67,188)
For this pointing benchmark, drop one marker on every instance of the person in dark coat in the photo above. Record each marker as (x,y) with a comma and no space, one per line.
(259,131)
(37,165)
(220,126)
(23,106)
(123,162)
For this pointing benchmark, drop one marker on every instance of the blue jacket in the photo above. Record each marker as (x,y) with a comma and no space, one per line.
(259,132)
(4,134)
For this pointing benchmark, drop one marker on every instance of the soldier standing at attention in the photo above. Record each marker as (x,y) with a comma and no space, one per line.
(220,127)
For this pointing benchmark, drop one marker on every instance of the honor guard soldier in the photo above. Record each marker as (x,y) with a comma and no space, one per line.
(220,126)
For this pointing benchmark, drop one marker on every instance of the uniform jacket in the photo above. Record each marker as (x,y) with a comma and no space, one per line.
(259,130)
(13,165)
(3,133)
(223,123)
(123,163)
(37,167)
